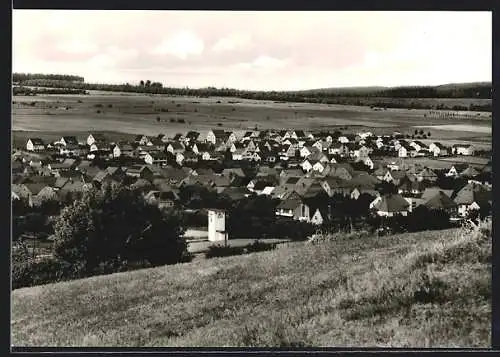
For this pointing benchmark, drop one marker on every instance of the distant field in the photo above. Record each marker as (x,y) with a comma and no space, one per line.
(151,115)
(426,289)
(442,163)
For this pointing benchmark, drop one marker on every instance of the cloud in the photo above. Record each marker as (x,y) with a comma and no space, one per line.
(77,46)
(256,50)
(182,45)
(234,41)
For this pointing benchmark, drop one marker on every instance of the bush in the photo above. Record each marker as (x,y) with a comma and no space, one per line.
(113,227)
(223,251)
(29,273)
(258,246)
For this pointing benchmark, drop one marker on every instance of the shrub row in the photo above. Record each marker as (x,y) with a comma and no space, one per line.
(225,251)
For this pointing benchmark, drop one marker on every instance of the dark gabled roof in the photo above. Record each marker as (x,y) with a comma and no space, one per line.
(460,167)
(300,133)
(35,188)
(290,203)
(440,201)
(408,185)
(235,193)
(173,173)
(473,193)
(235,171)
(292,180)
(392,203)
(101,175)
(36,141)
(193,135)
(469,172)
(70,140)
(177,146)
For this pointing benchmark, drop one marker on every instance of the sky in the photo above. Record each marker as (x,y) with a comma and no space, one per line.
(256,50)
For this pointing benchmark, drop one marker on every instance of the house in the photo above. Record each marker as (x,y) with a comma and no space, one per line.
(192,136)
(408,187)
(68,140)
(217,136)
(35,144)
(472,197)
(143,140)
(306,165)
(156,158)
(391,205)
(318,218)
(200,148)
(95,138)
(335,186)
(337,148)
(463,149)
(293,207)
(437,149)
(140,171)
(418,145)
(173,175)
(427,175)
(305,151)
(343,171)
(343,139)
(175,148)
(403,150)
(67,164)
(123,149)
(442,201)
(319,166)
(233,172)
(361,152)
(163,199)
(394,177)
(469,172)
(186,158)
(366,161)
(71,150)
(456,169)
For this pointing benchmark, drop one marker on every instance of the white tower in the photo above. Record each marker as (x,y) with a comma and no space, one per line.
(216,225)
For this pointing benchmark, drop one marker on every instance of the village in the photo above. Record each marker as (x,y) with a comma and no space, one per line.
(292,166)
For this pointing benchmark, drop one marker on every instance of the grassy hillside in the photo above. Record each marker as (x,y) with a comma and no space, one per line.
(428,289)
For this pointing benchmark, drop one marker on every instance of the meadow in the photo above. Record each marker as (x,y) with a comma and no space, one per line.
(155,114)
(427,289)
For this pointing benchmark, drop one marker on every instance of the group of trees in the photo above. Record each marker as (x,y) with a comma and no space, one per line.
(107,231)
(22,77)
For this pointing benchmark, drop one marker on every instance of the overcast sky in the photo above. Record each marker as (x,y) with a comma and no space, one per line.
(256,50)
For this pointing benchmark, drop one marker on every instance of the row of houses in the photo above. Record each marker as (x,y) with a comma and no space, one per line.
(322,163)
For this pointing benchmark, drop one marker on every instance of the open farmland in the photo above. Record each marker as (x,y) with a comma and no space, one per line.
(153,114)
(427,289)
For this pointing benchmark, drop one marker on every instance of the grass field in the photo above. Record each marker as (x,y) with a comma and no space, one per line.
(139,113)
(427,289)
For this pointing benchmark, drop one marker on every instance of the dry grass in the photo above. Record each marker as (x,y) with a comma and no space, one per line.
(427,289)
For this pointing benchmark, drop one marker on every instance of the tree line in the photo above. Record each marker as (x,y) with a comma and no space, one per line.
(374,97)
(21,77)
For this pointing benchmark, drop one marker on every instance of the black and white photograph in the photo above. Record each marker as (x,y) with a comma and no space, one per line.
(277,179)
